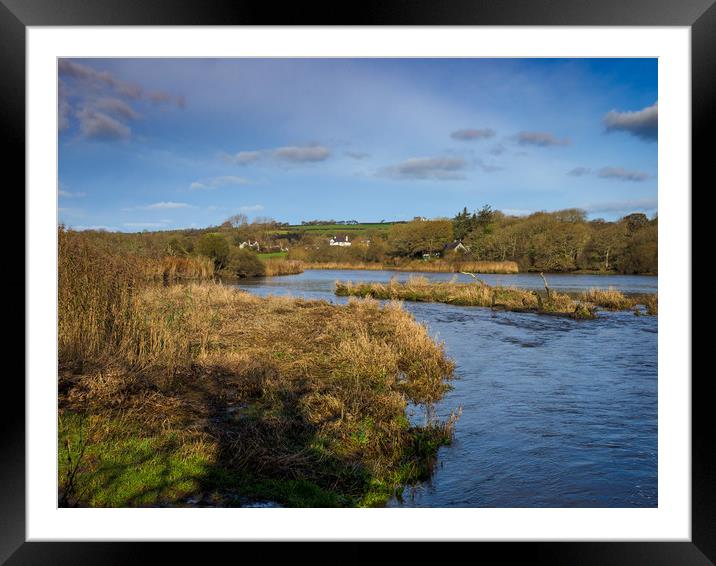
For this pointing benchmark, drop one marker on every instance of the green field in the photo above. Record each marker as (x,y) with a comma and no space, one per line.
(273,255)
(330,229)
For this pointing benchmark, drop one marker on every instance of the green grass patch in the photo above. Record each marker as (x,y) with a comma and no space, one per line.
(117,466)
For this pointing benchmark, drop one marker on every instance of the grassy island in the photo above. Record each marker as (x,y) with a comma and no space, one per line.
(480,294)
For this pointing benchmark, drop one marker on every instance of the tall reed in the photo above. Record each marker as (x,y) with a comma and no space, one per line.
(419,288)
(613,299)
(96,291)
(98,288)
(283,267)
(501,267)
(173,268)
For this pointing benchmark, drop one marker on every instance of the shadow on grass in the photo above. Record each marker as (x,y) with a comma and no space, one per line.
(244,453)
(232,440)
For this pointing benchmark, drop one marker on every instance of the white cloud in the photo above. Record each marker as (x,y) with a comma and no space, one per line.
(622,174)
(540,139)
(117,107)
(302,154)
(437,168)
(245,157)
(470,134)
(99,126)
(358,155)
(294,154)
(99,101)
(216,182)
(166,205)
(642,123)
(579,171)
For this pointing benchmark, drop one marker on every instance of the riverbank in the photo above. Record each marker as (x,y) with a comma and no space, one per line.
(480,294)
(550,403)
(196,395)
(497,267)
(276,267)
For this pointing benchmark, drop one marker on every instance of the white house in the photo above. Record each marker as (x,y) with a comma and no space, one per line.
(339,241)
(250,244)
(456,247)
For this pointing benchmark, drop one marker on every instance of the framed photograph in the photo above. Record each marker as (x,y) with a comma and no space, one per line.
(423,276)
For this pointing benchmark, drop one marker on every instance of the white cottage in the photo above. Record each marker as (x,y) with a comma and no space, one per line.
(250,244)
(455,247)
(339,241)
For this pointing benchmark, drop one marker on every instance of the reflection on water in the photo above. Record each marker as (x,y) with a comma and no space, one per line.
(555,412)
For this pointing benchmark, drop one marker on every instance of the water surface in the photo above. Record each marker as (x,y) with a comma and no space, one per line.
(555,412)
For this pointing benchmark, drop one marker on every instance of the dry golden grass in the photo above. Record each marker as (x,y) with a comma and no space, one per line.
(419,288)
(283,267)
(217,328)
(345,265)
(172,268)
(97,294)
(612,299)
(279,389)
(456,267)
(424,266)
(651,302)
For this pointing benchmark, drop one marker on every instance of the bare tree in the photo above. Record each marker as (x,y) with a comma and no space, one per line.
(238,220)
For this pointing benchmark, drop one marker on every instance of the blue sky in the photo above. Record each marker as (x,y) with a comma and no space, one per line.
(175,143)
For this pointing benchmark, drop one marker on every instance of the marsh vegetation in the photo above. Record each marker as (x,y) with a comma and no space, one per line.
(480,294)
(195,394)
(435,266)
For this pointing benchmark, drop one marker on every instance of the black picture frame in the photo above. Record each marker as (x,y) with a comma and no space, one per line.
(17,15)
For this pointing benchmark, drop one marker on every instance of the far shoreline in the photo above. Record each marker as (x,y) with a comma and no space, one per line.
(456,268)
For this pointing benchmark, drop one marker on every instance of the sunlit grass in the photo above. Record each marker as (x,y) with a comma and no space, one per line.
(438,266)
(478,294)
(201,388)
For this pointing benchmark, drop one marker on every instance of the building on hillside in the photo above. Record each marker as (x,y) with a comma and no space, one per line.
(339,241)
(275,248)
(251,245)
(455,247)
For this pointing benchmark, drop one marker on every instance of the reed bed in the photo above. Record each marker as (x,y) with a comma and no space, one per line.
(651,302)
(346,265)
(95,299)
(283,267)
(172,268)
(97,294)
(203,383)
(613,299)
(478,294)
(501,267)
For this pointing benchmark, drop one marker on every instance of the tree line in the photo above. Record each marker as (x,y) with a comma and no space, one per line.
(559,241)
(563,240)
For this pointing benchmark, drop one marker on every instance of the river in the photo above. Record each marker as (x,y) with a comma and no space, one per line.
(555,412)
